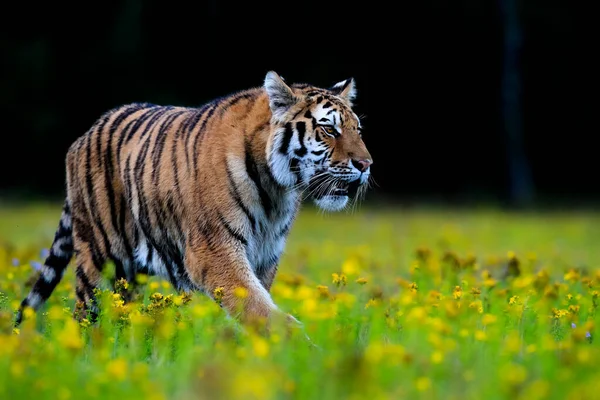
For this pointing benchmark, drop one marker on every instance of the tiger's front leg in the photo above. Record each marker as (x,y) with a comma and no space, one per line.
(228,270)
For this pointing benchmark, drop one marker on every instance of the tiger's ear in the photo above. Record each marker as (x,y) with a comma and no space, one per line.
(281,96)
(345,89)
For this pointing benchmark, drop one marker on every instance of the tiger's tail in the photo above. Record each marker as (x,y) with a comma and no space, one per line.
(54,267)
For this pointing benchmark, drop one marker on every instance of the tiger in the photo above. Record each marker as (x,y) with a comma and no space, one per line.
(204,197)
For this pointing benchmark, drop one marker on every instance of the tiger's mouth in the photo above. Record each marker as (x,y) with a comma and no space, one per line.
(326,186)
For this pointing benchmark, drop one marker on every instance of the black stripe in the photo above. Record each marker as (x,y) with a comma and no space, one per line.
(145,215)
(259,128)
(108,168)
(174,217)
(97,258)
(87,286)
(234,100)
(203,276)
(123,228)
(301,128)
(232,232)
(44,289)
(286,229)
(269,175)
(294,167)
(298,113)
(287,138)
(150,255)
(319,99)
(66,247)
(122,135)
(127,186)
(330,112)
(55,262)
(199,135)
(141,120)
(119,268)
(155,117)
(96,220)
(264,267)
(140,163)
(327,105)
(189,128)
(160,144)
(238,199)
(252,171)
(175,167)
(318,136)
(318,152)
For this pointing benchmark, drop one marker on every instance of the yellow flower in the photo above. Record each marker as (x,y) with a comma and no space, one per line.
(556,313)
(70,337)
(513,343)
(218,294)
(414,287)
(490,283)
(117,369)
(240,292)
(372,303)
(339,279)
(489,319)
(142,279)
(480,336)
(457,293)
(513,374)
(361,281)
(28,312)
(477,305)
(571,275)
(350,266)
(260,347)
(513,300)
(85,323)
(437,357)
(475,291)
(423,383)
(323,291)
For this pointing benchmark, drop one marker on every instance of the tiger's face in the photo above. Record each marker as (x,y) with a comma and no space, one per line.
(316,144)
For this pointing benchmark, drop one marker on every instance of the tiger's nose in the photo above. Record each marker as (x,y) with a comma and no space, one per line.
(362,165)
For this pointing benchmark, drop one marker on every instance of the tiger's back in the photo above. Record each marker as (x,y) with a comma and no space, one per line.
(194,195)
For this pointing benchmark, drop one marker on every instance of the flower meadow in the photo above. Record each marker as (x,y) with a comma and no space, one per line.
(395,303)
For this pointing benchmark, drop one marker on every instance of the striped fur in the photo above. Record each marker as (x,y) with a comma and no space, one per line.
(204,197)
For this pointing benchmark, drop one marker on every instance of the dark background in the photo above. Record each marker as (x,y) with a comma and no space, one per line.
(464,100)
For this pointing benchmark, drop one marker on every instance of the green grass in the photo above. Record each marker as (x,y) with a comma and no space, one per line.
(451,305)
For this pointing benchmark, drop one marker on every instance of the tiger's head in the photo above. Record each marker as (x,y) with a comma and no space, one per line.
(315,143)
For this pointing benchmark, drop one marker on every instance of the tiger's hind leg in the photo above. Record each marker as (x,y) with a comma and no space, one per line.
(89,261)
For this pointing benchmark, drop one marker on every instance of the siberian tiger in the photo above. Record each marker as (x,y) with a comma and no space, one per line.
(204,197)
